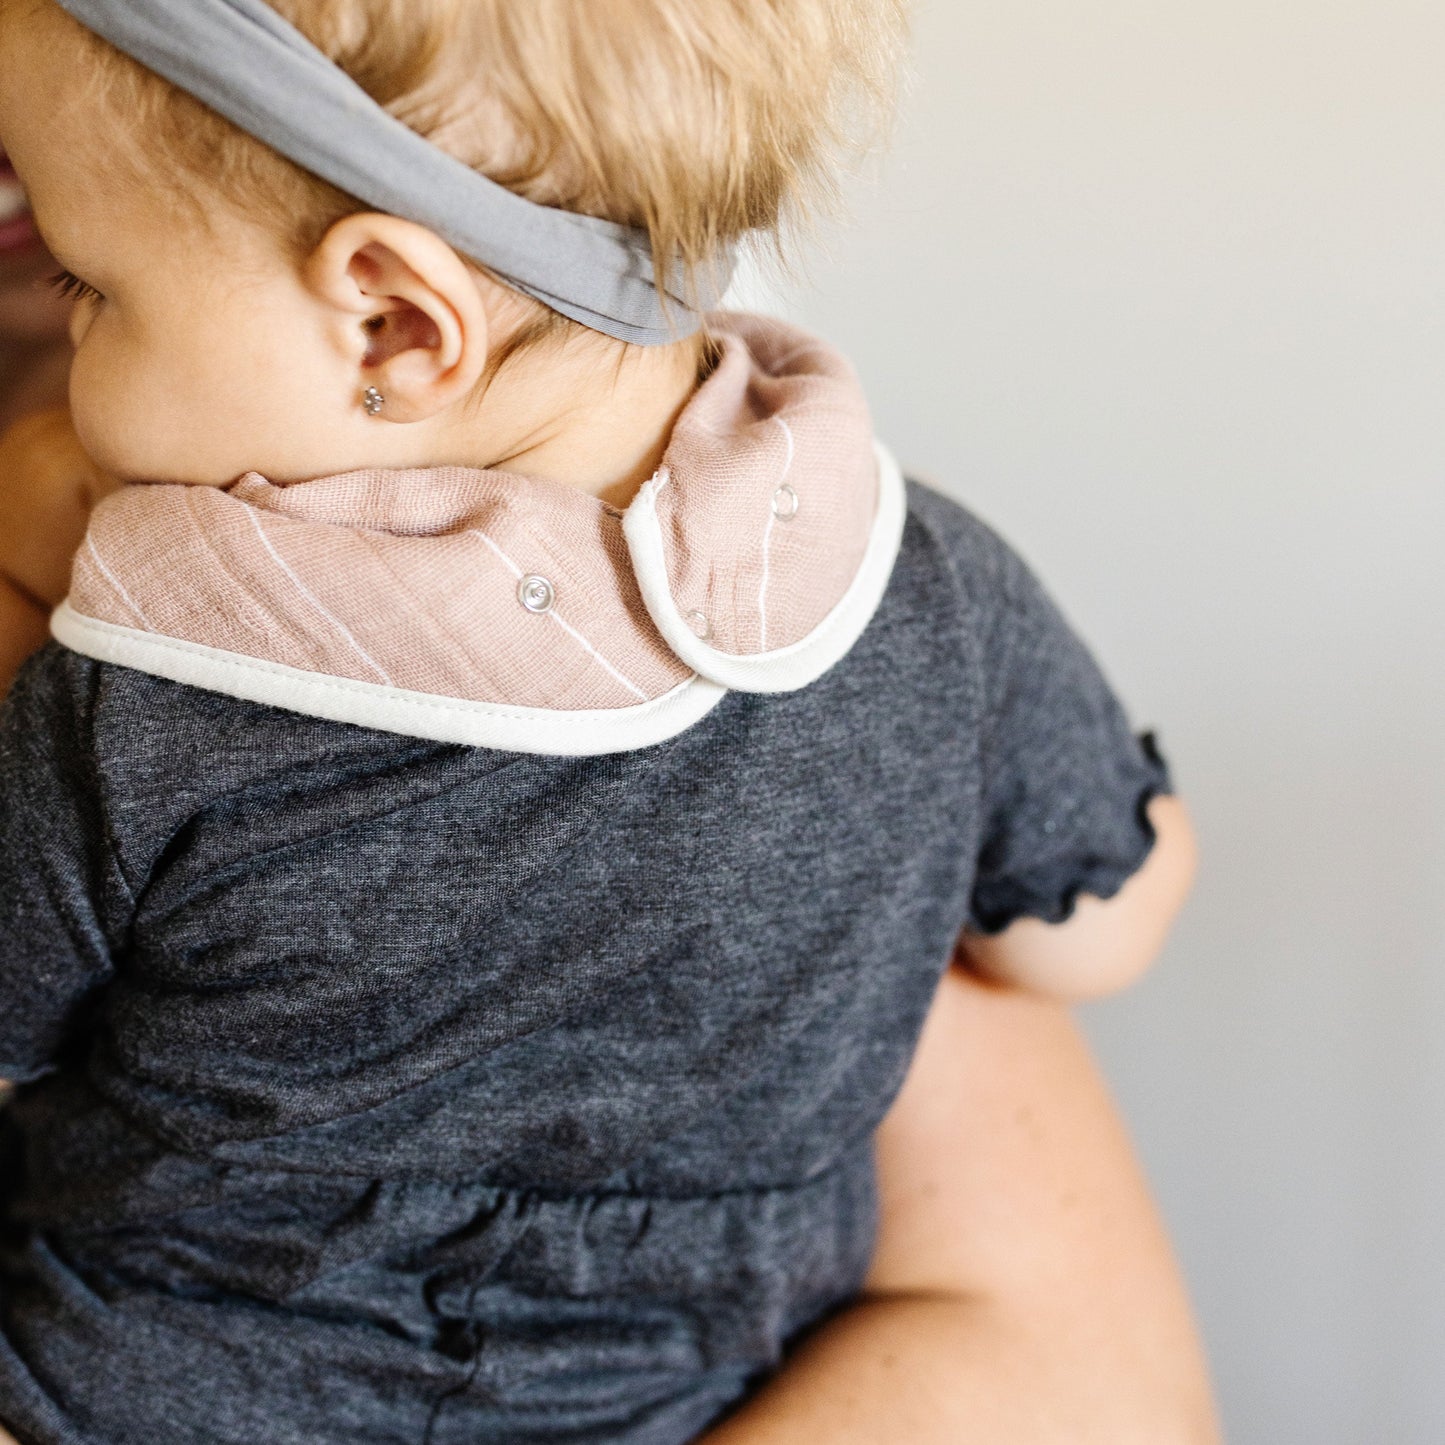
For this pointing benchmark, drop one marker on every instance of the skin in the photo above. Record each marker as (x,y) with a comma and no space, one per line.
(34,348)
(205,349)
(1023,1290)
(47,484)
(1106,945)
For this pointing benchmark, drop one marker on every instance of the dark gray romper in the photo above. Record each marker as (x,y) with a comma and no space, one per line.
(389,1091)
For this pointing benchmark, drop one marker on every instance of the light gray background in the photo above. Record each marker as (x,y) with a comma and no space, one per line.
(1156,286)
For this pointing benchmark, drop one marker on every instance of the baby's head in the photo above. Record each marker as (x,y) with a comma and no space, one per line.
(234,312)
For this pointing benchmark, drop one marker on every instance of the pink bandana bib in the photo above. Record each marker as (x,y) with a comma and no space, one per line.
(479,607)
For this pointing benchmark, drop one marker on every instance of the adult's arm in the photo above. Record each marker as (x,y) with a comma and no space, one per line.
(1023,1291)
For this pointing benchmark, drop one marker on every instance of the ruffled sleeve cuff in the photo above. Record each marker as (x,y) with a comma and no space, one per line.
(1105,846)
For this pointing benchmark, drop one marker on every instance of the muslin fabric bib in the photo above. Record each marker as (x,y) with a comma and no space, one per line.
(481,607)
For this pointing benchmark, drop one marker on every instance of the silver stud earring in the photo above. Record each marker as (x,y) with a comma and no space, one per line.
(373,401)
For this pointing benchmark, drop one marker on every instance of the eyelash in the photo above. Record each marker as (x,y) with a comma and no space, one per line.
(73,288)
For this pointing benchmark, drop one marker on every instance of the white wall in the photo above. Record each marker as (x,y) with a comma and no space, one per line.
(1158,286)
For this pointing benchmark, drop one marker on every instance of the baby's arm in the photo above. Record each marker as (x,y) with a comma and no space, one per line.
(1082,855)
(1023,1291)
(1107,944)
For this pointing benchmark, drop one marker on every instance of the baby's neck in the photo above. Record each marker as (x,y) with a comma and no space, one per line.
(564,418)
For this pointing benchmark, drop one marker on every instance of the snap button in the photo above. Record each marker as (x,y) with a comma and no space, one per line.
(785,503)
(700,625)
(536,594)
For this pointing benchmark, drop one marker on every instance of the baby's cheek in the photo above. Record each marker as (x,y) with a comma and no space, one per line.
(91,402)
(155,400)
(123,410)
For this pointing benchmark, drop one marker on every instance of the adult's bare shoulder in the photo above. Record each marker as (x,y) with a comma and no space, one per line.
(48,487)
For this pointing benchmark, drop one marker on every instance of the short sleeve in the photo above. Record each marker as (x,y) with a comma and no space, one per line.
(1065,779)
(61,892)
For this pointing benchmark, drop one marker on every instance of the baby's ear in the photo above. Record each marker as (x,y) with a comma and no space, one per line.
(408,314)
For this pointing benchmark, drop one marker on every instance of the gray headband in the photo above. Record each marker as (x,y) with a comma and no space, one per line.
(244,61)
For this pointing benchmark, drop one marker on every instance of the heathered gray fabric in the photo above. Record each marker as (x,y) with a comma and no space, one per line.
(386,1091)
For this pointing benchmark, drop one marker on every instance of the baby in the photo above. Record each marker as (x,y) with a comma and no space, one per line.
(516,757)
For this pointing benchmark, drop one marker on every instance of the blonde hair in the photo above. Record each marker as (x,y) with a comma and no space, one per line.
(703,122)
